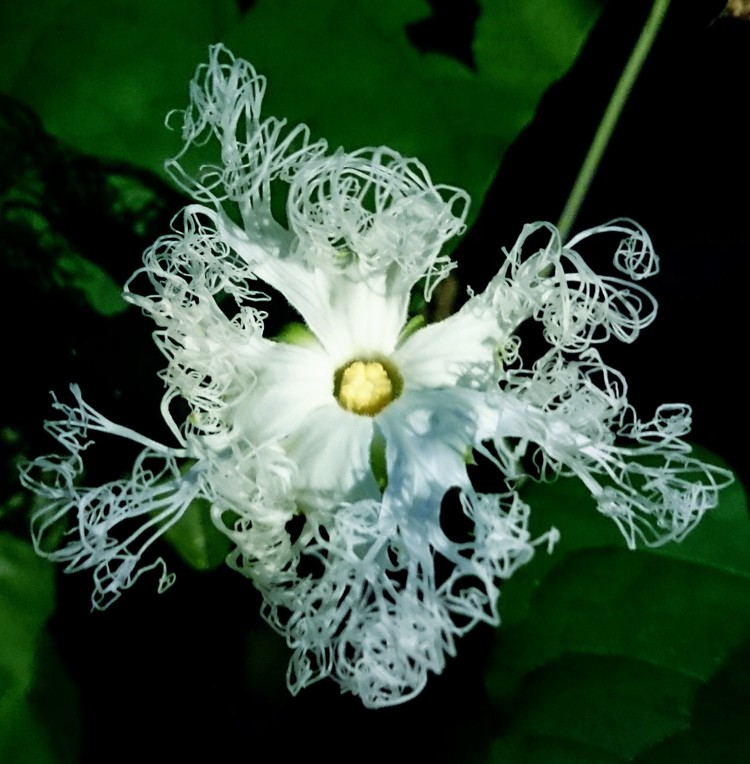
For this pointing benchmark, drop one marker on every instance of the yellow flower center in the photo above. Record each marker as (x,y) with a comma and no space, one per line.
(366,387)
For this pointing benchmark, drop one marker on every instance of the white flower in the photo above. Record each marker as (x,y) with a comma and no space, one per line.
(338,464)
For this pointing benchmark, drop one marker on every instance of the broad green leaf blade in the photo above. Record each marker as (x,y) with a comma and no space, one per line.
(96,285)
(721,540)
(349,72)
(38,704)
(629,638)
(22,738)
(21,24)
(42,727)
(522,48)
(104,75)
(568,710)
(680,616)
(26,602)
(550,750)
(718,725)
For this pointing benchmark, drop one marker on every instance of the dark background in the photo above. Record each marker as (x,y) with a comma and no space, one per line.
(677,163)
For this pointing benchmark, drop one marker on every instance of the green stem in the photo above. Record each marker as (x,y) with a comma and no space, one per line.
(611,116)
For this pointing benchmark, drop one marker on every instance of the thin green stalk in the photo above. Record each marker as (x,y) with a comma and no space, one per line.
(611,116)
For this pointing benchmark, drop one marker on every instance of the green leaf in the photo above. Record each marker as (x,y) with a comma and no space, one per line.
(26,602)
(605,651)
(22,738)
(197,540)
(568,709)
(42,727)
(38,704)
(718,725)
(522,48)
(104,75)
(349,71)
(96,285)
(20,25)
(266,656)
(55,703)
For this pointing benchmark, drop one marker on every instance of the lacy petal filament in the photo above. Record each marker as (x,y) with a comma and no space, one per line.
(329,463)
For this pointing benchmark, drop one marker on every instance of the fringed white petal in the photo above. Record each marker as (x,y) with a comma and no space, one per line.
(111,526)
(377,209)
(379,617)
(226,97)
(210,359)
(577,307)
(639,472)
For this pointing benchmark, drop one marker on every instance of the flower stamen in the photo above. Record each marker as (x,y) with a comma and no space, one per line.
(366,387)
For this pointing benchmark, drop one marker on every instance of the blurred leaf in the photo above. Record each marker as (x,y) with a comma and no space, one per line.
(567,709)
(368,86)
(103,76)
(98,287)
(197,540)
(20,25)
(38,705)
(26,602)
(522,48)
(604,651)
(22,738)
(717,728)
(43,726)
